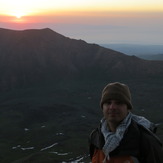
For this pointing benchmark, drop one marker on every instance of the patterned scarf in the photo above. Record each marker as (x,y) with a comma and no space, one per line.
(112,139)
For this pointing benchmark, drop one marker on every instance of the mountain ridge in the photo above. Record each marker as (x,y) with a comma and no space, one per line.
(136,49)
(31,55)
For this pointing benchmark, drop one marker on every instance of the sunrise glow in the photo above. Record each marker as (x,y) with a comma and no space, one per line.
(99,20)
(17,14)
(32,7)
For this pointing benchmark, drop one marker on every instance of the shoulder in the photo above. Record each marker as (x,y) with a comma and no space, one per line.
(150,146)
(94,132)
(137,133)
(96,138)
(149,135)
(95,141)
(144,132)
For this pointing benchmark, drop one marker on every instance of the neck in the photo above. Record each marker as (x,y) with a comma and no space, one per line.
(112,126)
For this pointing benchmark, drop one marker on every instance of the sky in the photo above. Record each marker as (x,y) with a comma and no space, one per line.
(95,21)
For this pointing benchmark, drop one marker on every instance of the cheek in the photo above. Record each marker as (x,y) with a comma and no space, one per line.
(124,113)
(104,110)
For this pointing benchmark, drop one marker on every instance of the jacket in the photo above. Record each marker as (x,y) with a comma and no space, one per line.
(138,142)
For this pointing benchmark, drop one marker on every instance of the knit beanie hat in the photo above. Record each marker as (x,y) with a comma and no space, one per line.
(116,91)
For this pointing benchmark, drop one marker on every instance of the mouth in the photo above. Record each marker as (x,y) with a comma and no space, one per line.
(113,113)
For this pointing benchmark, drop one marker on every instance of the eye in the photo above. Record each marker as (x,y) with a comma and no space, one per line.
(108,102)
(119,102)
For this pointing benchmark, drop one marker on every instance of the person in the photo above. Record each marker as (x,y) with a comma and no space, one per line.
(123,137)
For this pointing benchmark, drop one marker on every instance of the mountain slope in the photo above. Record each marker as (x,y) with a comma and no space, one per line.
(152,57)
(50,87)
(29,56)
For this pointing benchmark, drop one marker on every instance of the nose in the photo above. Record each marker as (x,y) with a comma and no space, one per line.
(112,105)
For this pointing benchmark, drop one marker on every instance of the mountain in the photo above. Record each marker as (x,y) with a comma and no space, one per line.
(50,88)
(29,56)
(136,49)
(151,57)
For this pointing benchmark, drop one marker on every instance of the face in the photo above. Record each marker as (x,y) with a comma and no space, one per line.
(114,111)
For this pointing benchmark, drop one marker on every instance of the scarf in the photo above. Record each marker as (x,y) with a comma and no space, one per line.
(112,139)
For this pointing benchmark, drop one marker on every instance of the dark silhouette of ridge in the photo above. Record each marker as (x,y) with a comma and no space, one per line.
(37,56)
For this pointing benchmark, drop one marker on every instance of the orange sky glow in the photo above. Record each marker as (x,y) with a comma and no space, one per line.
(105,18)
